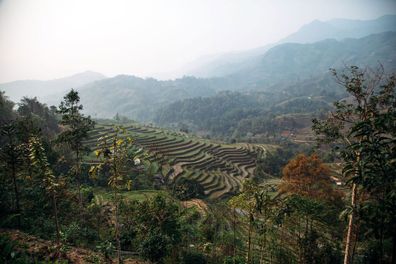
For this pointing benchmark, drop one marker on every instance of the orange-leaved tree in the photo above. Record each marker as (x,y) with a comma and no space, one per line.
(308,176)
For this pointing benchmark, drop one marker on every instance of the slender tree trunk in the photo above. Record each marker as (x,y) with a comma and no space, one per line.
(56,219)
(234,234)
(78,177)
(16,191)
(249,239)
(351,227)
(117,228)
(355,242)
(262,247)
(394,246)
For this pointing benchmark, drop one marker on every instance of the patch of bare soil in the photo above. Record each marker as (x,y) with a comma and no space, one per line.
(47,250)
(198,203)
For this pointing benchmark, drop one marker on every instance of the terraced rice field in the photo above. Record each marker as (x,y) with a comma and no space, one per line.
(219,168)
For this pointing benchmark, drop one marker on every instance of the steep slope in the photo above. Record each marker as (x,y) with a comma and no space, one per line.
(294,75)
(41,89)
(293,62)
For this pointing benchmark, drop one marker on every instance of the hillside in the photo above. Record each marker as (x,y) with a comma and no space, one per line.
(294,69)
(218,168)
(295,62)
(230,63)
(242,116)
(139,98)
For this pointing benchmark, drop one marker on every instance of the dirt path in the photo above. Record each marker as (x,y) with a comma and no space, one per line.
(200,204)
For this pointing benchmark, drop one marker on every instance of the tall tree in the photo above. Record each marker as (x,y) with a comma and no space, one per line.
(75,131)
(11,153)
(362,128)
(50,183)
(115,159)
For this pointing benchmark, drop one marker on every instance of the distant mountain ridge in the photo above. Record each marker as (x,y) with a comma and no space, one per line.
(338,29)
(42,89)
(295,62)
(291,68)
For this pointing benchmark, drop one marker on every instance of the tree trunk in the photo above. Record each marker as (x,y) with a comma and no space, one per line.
(16,191)
(351,225)
(78,177)
(234,234)
(394,246)
(117,229)
(262,246)
(250,239)
(56,219)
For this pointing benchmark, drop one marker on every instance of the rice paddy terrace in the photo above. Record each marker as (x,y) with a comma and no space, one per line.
(219,168)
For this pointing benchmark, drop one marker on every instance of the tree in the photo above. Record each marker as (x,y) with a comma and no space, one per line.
(272,162)
(362,129)
(38,116)
(11,156)
(309,223)
(50,182)
(75,130)
(185,189)
(159,227)
(6,110)
(308,176)
(256,203)
(116,159)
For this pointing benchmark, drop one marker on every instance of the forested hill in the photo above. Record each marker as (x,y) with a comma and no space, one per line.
(231,114)
(296,69)
(294,62)
(139,98)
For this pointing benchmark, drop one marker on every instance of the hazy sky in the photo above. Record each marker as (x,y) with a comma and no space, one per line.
(46,39)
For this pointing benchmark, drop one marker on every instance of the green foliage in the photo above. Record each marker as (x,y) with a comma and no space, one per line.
(11,252)
(185,189)
(155,246)
(362,130)
(234,260)
(193,257)
(272,162)
(6,110)
(38,116)
(236,115)
(77,125)
(71,233)
(106,248)
(153,225)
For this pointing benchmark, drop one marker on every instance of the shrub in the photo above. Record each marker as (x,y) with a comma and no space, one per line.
(186,189)
(193,257)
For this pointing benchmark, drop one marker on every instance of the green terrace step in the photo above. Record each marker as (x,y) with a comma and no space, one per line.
(218,168)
